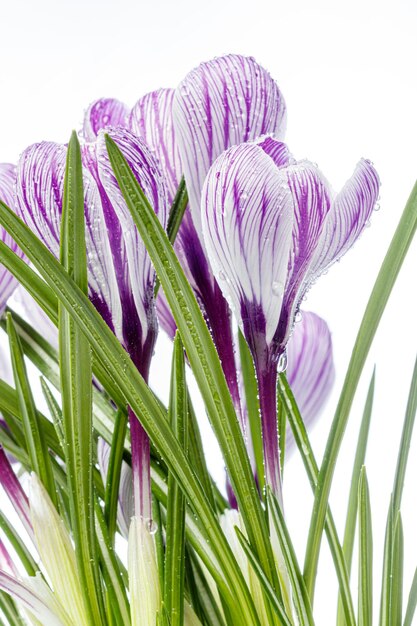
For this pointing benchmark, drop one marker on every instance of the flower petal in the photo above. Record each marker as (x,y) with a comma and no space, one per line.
(165,318)
(32,601)
(102,113)
(8,283)
(145,167)
(143,574)
(221,103)
(151,120)
(56,551)
(310,369)
(312,203)
(39,191)
(351,211)
(36,317)
(247,213)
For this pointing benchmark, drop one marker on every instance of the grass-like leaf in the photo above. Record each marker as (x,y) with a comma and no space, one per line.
(266,585)
(202,356)
(175,520)
(392,575)
(300,596)
(350,525)
(411,603)
(114,472)
(250,386)
(365,553)
(133,388)
(36,444)
(404,447)
(76,384)
(376,304)
(311,467)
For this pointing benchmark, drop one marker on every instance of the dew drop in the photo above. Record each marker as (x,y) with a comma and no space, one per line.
(278,289)
(282,362)
(151,526)
(222,275)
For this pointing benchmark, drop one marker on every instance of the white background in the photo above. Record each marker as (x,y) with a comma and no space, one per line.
(348,73)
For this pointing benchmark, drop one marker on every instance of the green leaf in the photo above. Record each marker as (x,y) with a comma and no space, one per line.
(131,385)
(202,356)
(114,472)
(198,459)
(376,304)
(175,529)
(175,217)
(300,596)
(36,445)
(28,562)
(412,602)
(311,467)
(55,412)
(350,525)
(404,447)
(392,576)
(266,585)
(114,582)
(76,385)
(365,553)
(250,386)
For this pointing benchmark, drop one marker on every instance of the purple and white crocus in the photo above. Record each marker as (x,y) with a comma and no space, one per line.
(120,274)
(222,102)
(271,226)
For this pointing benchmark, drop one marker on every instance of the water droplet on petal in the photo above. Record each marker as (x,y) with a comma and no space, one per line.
(278,289)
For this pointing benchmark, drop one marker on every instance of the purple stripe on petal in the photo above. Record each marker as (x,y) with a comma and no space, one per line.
(7,182)
(310,368)
(247,213)
(6,562)
(219,104)
(14,491)
(151,120)
(102,113)
(277,150)
(351,211)
(138,267)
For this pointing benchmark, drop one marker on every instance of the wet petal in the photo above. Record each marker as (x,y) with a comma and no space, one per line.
(39,192)
(247,213)
(219,104)
(151,120)
(351,211)
(145,167)
(312,203)
(7,182)
(310,369)
(102,113)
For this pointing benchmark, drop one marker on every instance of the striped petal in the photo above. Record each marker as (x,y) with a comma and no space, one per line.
(145,167)
(102,113)
(151,120)
(39,192)
(351,211)
(221,103)
(7,182)
(310,369)
(312,204)
(247,213)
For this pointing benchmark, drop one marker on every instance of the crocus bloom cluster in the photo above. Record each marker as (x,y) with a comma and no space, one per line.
(271,226)
(223,102)
(120,275)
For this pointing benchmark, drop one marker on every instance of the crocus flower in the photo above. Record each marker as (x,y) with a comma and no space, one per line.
(220,103)
(310,369)
(120,274)
(271,226)
(8,282)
